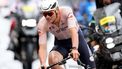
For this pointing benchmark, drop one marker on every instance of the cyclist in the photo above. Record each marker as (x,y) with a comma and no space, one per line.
(61,22)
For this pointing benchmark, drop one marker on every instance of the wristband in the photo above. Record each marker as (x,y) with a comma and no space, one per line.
(74,48)
(42,66)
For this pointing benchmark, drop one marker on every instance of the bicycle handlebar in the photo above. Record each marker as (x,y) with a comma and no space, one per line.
(80,63)
(63,62)
(59,63)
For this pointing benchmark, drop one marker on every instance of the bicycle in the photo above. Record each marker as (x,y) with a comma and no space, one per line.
(64,61)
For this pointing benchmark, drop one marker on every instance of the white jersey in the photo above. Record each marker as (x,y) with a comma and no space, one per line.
(67,21)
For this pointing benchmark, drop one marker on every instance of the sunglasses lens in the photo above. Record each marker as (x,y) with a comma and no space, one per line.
(48,13)
(51,13)
(44,14)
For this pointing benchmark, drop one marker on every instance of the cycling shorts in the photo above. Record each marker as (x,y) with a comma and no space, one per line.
(64,46)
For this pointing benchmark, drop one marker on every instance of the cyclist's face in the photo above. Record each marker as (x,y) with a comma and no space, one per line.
(50,16)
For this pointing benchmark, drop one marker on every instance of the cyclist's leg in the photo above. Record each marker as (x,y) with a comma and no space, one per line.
(85,52)
(56,55)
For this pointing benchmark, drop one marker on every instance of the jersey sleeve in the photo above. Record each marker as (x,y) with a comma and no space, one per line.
(42,30)
(71,20)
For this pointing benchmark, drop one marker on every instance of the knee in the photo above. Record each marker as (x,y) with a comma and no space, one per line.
(54,57)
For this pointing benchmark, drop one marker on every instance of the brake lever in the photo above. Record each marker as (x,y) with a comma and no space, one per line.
(78,61)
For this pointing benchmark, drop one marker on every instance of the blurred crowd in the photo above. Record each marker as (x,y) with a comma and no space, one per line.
(83,11)
(11,36)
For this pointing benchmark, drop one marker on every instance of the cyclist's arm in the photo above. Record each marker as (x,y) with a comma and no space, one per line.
(42,48)
(73,28)
(42,42)
(74,37)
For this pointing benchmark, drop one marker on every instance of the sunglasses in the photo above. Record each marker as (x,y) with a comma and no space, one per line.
(48,13)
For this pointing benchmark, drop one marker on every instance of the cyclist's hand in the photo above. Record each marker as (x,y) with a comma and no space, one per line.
(75,54)
(42,67)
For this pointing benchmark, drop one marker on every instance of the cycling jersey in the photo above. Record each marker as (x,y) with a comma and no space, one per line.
(67,21)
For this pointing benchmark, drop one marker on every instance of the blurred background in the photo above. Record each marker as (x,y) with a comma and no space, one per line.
(18,32)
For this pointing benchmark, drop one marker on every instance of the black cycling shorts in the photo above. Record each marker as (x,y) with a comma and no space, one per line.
(64,46)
